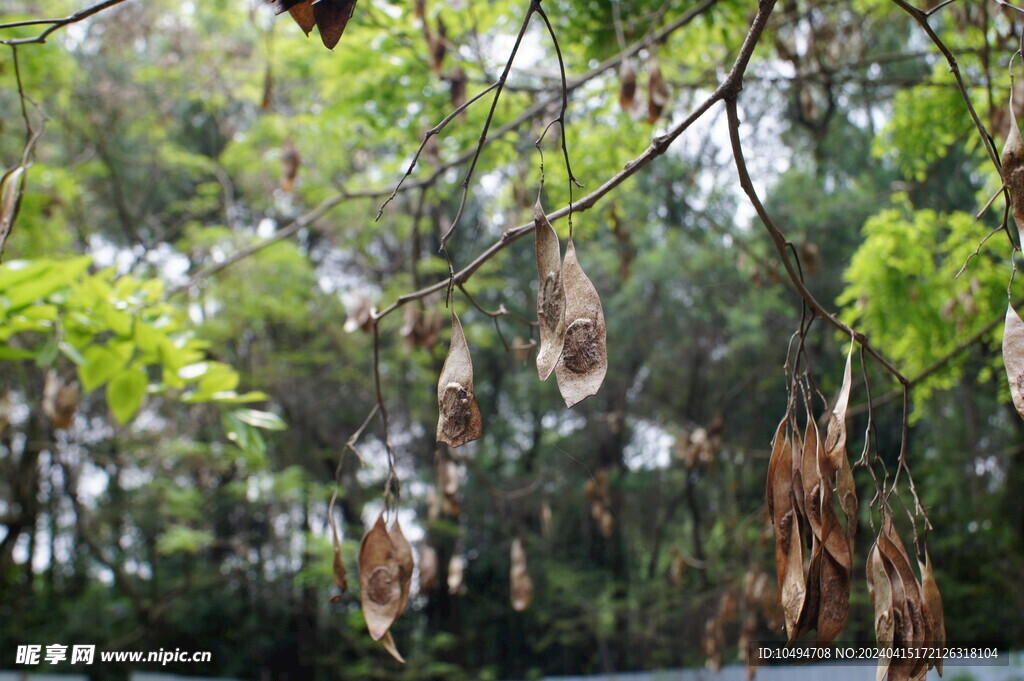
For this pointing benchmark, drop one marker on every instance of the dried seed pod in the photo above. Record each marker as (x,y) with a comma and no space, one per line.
(780,480)
(60,400)
(584,362)
(403,556)
(880,591)
(522,585)
(11,187)
(657,92)
(380,580)
(389,645)
(933,609)
(1013,168)
(456,568)
(1013,356)
(428,568)
(331,18)
(550,295)
(834,608)
(459,419)
(627,86)
(835,441)
(794,588)
(545,519)
(338,566)
(291,160)
(302,13)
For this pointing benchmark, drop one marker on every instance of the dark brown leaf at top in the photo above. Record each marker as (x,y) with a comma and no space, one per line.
(584,362)
(303,15)
(331,18)
(1013,167)
(459,416)
(550,294)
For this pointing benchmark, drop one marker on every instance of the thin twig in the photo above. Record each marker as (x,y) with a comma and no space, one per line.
(54,23)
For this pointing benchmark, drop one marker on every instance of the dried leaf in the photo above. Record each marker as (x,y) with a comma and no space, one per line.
(456,567)
(584,362)
(291,160)
(459,418)
(380,580)
(933,608)
(389,645)
(302,13)
(1013,356)
(331,17)
(10,201)
(550,295)
(835,440)
(403,556)
(627,86)
(657,92)
(428,568)
(522,585)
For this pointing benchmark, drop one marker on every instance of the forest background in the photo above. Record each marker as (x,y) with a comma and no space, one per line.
(196,246)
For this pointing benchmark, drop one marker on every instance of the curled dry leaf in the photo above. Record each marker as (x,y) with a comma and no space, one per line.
(522,585)
(331,18)
(459,418)
(657,92)
(933,609)
(550,295)
(584,362)
(627,86)
(1013,167)
(380,579)
(456,568)
(10,200)
(1013,356)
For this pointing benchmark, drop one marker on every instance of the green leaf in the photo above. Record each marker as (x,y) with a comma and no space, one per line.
(260,419)
(125,392)
(47,354)
(242,434)
(9,353)
(72,353)
(101,364)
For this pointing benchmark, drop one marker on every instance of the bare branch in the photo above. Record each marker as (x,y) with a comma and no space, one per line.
(54,23)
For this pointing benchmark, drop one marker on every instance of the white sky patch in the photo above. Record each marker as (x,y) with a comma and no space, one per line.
(651,447)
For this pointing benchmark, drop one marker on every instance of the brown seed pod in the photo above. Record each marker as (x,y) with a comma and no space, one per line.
(880,590)
(331,18)
(550,295)
(794,587)
(380,580)
(428,568)
(291,160)
(338,565)
(302,13)
(933,609)
(60,400)
(584,362)
(403,556)
(1013,168)
(835,440)
(459,418)
(834,608)
(521,584)
(627,86)
(657,92)
(1013,356)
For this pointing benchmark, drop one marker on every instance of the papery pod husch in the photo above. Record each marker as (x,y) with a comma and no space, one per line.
(459,418)
(1013,168)
(521,584)
(403,555)
(657,91)
(835,440)
(338,565)
(881,600)
(1013,356)
(933,608)
(627,86)
(456,567)
(780,500)
(584,362)
(380,579)
(550,295)
(428,568)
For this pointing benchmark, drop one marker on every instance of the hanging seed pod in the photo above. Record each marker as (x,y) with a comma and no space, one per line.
(657,92)
(584,362)
(456,568)
(1013,168)
(459,420)
(627,86)
(835,440)
(794,587)
(545,519)
(1013,356)
(522,585)
(550,295)
(428,568)
(331,18)
(380,580)
(933,609)
(881,600)
(302,13)
(780,494)
(403,556)
(389,645)
(338,565)
(60,400)
(291,160)
(11,187)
